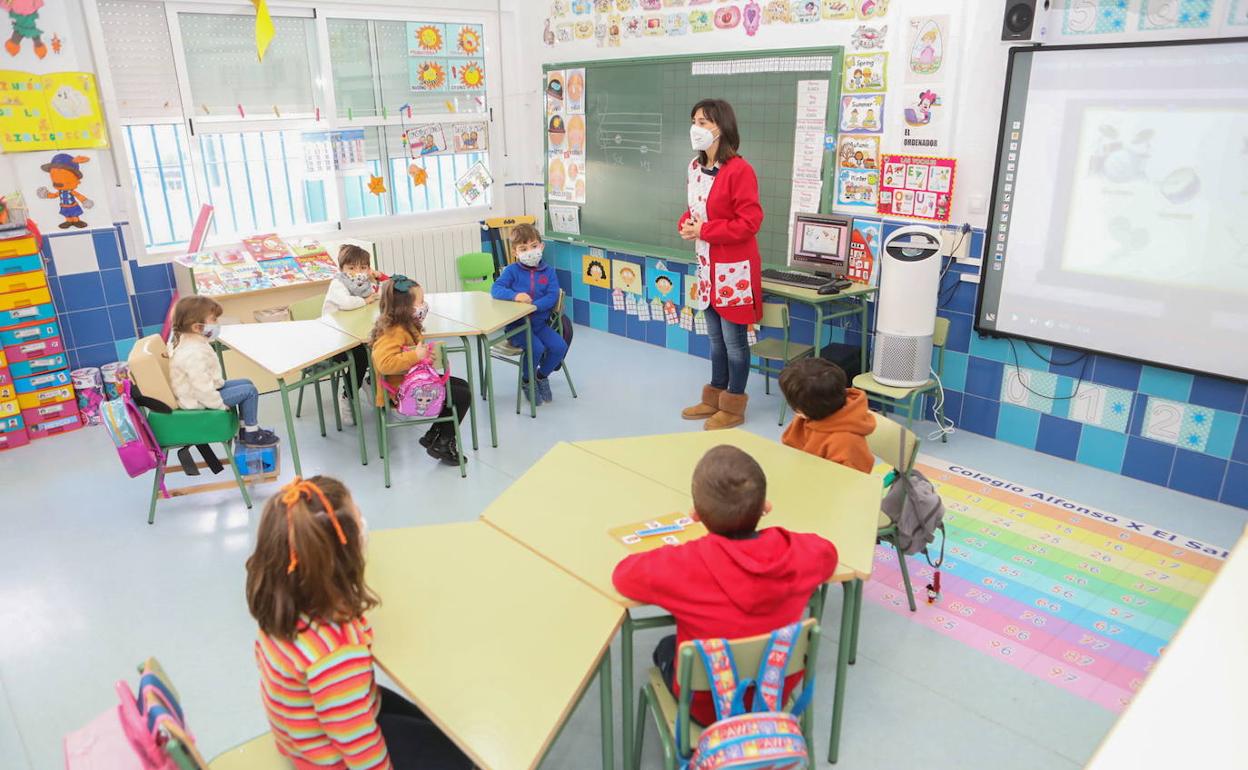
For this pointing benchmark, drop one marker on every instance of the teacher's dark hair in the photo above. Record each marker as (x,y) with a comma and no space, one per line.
(721,114)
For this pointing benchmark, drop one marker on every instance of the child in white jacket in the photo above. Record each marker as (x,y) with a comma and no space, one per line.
(196,372)
(352,288)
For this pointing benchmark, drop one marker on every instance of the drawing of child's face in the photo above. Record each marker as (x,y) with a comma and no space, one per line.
(576,134)
(557,177)
(870,116)
(576,87)
(663,284)
(628,276)
(925,102)
(596,271)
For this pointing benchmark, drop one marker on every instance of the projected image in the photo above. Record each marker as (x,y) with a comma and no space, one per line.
(1152,194)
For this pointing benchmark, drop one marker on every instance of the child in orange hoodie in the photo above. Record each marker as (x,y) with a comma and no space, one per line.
(830,420)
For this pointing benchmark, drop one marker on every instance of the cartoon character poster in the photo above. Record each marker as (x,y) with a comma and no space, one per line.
(470,137)
(37,38)
(426,140)
(65,175)
(926,48)
(857,188)
(917,186)
(864,251)
(865,72)
(862,114)
(662,284)
(925,119)
(838,9)
(555,92)
(594,271)
(858,152)
(871,9)
(626,276)
(65,190)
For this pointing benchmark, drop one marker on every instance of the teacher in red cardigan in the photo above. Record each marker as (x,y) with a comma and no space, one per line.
(722,220)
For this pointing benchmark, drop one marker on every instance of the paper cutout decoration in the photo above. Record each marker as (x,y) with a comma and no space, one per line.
(860,152)
(264,27)
(630,304)
(626,275)
(686,319)
(699,322)
(864,252)
(467,74)
(376,185)
(474,183)
(468,40)
(426,140)
(65,172)
(656,309)
(871,9)
(862,114)
(418,174)
(425,39)
(594,271)
(60,111)
(617,299)
(751,335)
(643,310)
(869,38)
(428,75)
(669,313)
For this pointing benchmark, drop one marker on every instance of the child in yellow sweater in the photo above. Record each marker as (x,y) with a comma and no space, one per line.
(397,347)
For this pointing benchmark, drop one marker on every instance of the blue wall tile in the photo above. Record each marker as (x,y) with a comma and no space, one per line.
(994,348)
(983,377)
(1197,474)
(84,291)
(1058,437)
(90,327)
(656,332)
(1218,393)
(115,292)
(1070,364)
(1165,383)
(151,278)
(979,415)
(1116,372)
(677,339)
(1235,487)
(1221,440)
(1240,451)
(95,355)
(1102,448)
(1148,460)
(699,345)
(153,307)
(580,311)
(954,377)
(107,252)
(598,316)
(121,320)
(959,332)
(617,322)
(1018,425)
(599,295)
(636,328)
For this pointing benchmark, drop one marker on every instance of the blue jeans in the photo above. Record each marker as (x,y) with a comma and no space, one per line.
(243,394)
(549,348)
(730,353)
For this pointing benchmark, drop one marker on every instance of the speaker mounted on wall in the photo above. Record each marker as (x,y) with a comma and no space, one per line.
(1025,21)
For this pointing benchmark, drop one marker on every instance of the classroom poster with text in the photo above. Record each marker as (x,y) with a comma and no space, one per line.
(917,186)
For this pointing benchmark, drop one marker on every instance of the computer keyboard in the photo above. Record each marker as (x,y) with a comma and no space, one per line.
(805,280)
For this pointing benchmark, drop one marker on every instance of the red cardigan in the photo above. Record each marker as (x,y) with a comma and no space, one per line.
(733,217)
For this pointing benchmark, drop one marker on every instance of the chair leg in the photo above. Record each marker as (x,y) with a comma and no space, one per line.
(568,375)
(519,383)
(238,479)
(459,445)
(385,446)
(157,478)
(320,406)
(767,382)
(333,399)
(639,731)
(783,406)
(905,573)
(299,403)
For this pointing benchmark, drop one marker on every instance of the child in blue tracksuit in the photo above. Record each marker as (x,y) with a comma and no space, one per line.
(534,282)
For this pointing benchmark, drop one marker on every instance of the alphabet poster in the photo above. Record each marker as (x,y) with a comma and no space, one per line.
(865,72)
(862,114)
(920,187)
(60,111)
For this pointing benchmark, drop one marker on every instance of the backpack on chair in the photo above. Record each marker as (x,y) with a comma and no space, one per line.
(422,393)
(915,507)
(767,737)
(132,436)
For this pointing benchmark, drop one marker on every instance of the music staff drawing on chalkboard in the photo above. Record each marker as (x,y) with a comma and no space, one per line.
(635,131)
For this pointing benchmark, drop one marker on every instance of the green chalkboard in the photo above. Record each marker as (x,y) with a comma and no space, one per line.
(637,141)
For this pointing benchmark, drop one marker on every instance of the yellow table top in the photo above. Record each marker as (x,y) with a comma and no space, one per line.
(359,324)
(506,665)
(808,494)
(476,309)
(810,295)
(1196,689)
(284,347)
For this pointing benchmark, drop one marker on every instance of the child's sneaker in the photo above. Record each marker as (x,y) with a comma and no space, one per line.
(430,436)
(258,437)
(344,409)
(544,396)
(444,448)
(536,399)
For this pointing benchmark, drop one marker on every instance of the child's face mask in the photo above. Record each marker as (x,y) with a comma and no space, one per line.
(211,331)
(419,312)
(530,257)
(358,284)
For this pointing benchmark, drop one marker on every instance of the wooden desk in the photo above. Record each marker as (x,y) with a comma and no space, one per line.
(492,642)
(1191,710)
(608,483)
(286,348)
(828,307)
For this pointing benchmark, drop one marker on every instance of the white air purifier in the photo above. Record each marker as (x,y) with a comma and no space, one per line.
(906,313)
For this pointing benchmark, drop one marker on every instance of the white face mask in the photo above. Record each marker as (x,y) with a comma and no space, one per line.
(211,331)
(420,311)
(701,138)
(530,258)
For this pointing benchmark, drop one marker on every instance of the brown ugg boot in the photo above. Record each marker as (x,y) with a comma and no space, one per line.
(731,411)
(707,407)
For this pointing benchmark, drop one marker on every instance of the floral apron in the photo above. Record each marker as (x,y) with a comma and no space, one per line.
(729,284)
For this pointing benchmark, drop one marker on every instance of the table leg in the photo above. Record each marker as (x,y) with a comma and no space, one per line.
(862,337)
(483,344)
(853,642)
(626,688)
(357,412)
(608,721)
(818,329)
(531,364)
(290,427)
(842,668)
(472,403)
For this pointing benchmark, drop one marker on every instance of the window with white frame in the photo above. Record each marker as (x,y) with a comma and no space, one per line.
(204,122)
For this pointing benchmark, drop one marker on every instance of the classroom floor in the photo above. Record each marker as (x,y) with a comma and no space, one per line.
(88,589)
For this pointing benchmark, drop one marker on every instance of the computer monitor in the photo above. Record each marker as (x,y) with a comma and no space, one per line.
(820,243)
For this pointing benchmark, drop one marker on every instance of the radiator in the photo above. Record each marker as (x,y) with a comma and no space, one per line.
(427,255)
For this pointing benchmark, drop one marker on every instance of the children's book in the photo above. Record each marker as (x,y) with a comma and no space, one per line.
(197,259)
(207,281)
(306,247)
(318,267)
(268,246)
(282,272)
(245,278)
(231,255)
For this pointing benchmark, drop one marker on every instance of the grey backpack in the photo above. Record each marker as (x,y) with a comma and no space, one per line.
(914,506)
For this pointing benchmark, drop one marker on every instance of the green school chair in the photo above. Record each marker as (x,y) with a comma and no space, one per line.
(910,398)
(389,419)
(149,369)
(503,350)
(309,310)
(772,349)
(898,447)
(476,271)
(668,711)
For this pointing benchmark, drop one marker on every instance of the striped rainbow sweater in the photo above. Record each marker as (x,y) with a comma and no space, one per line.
(321,698)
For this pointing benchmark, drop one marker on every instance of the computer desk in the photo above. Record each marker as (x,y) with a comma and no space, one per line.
(828,307)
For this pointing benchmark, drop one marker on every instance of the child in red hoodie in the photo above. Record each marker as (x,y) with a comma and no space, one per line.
(830,420)
(737,581)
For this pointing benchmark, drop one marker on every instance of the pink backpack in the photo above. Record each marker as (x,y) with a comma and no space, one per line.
(422,392)
(136,444)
